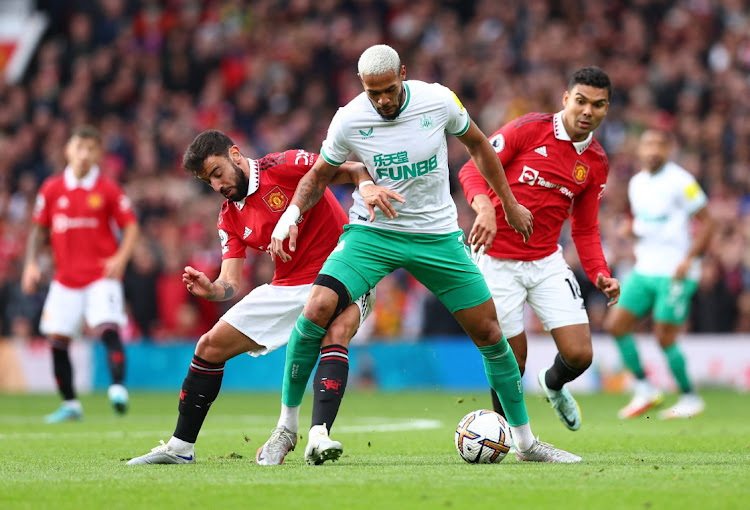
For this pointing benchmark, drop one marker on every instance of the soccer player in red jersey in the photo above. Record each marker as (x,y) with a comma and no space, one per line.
(257,193)
(555,168)
(76,209)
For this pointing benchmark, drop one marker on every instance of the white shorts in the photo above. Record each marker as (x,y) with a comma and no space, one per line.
(269,312)
(65,309)
(548,285)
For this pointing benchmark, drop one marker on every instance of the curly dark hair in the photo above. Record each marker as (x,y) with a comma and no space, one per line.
(209,143)
(593,77)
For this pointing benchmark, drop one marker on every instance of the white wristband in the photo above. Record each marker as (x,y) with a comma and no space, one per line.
(365,183)
(289,218)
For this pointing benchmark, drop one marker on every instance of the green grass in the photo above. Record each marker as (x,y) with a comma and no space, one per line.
(643,463)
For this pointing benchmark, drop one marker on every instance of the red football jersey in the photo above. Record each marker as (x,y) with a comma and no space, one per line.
(547,173)
(250,222)
(79,215)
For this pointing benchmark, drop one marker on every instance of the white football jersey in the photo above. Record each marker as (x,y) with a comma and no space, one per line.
(662,204)
(408,154)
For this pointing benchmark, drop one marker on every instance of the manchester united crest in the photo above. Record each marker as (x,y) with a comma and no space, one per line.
(580,172)
(95,200)
(276,199)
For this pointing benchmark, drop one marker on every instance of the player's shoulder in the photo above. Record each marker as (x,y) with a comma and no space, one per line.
(532,120)
(271,160)
(597,149)
(673,170)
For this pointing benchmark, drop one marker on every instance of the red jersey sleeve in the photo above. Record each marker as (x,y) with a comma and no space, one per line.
(41,214)
(298,162)
(505,141)
(121,208)
(584,224)
(232,246)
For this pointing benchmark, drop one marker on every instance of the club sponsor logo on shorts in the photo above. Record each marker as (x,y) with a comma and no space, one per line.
(580,172)
(276,199)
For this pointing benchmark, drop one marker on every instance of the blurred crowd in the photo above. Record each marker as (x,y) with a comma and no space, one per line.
(271,73)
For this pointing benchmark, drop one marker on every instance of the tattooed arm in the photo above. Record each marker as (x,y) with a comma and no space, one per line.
(221,289)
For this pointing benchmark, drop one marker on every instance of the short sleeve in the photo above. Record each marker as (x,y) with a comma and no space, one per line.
(122,208)
(41,214)
(691,194)
(232,246)
(335,149)
(458,118)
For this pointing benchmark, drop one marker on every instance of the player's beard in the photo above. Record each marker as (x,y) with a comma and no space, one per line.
(240,184)
(395,115)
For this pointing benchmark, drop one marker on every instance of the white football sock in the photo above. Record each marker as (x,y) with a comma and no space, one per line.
(522,437)
(181,446)
(289,418)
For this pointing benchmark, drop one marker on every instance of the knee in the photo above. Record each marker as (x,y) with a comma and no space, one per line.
(579,357)
(211,348)
(320,309)
(613,326)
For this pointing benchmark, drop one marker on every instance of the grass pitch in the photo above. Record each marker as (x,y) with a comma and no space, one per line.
(398,453)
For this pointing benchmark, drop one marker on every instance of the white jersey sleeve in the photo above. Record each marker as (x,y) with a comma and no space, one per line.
(335,147)
(458,118)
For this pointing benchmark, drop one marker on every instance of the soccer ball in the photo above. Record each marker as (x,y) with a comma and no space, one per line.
(483,437)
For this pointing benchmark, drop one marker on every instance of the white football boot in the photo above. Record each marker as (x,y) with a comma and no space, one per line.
(689,405)
(320,447)
(545,452)
(562,402)
(164,454)
(645,398)
(118,397)
(273,451)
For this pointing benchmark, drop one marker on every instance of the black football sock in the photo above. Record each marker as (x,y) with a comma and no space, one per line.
(115,355)
(560,373)
(329,384)
(63,369)
(199,390)
(496,405)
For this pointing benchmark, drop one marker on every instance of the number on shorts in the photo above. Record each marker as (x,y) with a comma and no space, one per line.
(575,289)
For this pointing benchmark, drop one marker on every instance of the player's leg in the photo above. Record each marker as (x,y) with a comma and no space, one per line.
(636,299)
(62,318)
(505,280)
(443,264)
(670,313)
(105,313)
(519,346)
(199,390)
(556,298)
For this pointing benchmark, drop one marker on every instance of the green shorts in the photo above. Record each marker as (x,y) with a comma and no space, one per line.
(440,262)
(668,298)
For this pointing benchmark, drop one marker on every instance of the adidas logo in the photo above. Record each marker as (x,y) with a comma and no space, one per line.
(248,231)
(541,150)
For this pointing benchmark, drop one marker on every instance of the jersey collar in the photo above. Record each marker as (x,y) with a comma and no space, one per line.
(88,181)
(561,134)
(253,182)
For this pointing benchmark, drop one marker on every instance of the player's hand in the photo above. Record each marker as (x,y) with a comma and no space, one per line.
(197,283)
(610,287)
(682,269)
(114,267)
(30,278)
(276,248)
(520,219)
(374,195)
(484,230)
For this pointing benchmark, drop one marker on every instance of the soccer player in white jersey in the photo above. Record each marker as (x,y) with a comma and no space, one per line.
(664,198)
(557,169)
(397,129)
(257,192)
(78,210)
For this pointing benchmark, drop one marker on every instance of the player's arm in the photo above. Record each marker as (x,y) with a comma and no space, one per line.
(374,196)
(584,223)
(475,188)
(114,267)
(31,273)
(486,160)
(224,287)
(701,239)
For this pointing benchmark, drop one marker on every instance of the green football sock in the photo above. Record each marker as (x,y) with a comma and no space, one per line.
(678,366)
(301,355)
(502,372)
(630,357)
